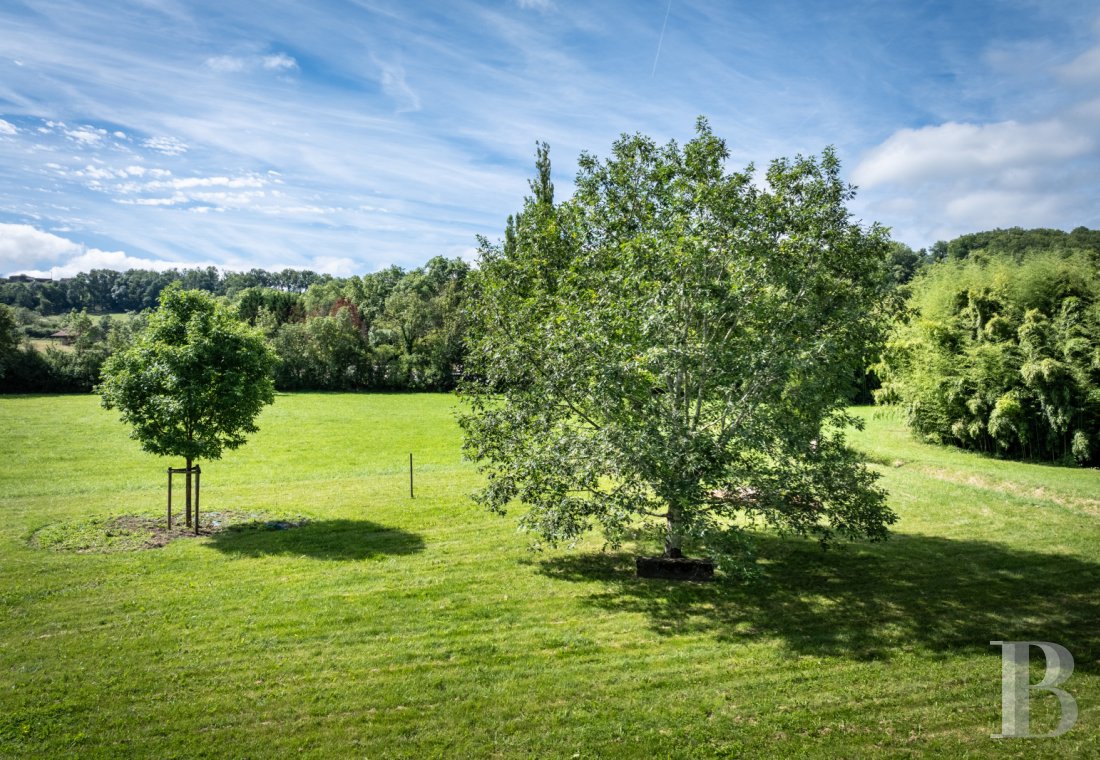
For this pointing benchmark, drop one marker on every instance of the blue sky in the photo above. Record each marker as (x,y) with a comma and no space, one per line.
(348,136)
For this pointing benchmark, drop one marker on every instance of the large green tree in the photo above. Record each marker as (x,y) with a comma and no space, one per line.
(193,381)
(671,348)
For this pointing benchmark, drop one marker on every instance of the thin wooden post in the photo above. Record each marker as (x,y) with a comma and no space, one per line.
(188,471)
(169,498)
(411,476)
(198,478)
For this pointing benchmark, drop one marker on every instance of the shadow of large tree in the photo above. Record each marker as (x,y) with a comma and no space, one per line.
(866,602)
(324,539)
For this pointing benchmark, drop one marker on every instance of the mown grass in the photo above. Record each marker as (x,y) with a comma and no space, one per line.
(390,626)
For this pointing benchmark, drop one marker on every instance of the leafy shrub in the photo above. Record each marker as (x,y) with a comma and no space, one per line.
(1001,353)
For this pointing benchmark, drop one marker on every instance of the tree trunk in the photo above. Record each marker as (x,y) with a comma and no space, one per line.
(673,538)
(189,492)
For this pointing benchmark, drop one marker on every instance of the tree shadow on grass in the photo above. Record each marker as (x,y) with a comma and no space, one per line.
(322,539)
(866,602)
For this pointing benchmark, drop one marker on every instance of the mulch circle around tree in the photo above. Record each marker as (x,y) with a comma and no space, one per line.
(125,533)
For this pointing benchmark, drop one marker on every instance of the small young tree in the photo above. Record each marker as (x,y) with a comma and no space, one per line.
(192,382)
(672,347)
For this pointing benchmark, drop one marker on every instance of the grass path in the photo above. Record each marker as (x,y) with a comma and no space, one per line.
(424,628)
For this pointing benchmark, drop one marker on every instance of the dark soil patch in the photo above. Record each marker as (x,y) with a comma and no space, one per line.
(675,568)
(124,533)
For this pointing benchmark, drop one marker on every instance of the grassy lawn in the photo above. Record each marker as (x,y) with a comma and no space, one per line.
(41,344)
(424,627)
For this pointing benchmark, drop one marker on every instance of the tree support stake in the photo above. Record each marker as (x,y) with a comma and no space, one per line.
(188,471)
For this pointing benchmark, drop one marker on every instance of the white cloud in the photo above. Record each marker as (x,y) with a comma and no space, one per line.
(7,128)
(93,258)
(87,135)
(60,257)
(22,242)
(96,172)
(954,149)
(340,266)
(186,183)
(185,190)
(229,199)
(169,146)
(175,200)
(297,210)
(234,64)
(279,62)
(541,5)
(135,171)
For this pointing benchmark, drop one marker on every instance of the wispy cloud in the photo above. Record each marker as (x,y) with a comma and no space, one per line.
(394,85)
(86,135)
(227,63)
(169,146)
(233,64)
(278,62)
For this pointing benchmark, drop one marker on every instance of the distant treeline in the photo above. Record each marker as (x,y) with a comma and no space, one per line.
(390,330)
(1014,242)
(1017,242)
(103,291)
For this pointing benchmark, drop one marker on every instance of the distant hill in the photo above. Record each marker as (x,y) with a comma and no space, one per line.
(1016,241)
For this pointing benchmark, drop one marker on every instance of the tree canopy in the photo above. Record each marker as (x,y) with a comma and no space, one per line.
(669,350)
(193,381)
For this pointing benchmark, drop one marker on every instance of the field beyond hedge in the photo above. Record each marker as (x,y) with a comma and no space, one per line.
(424,627)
